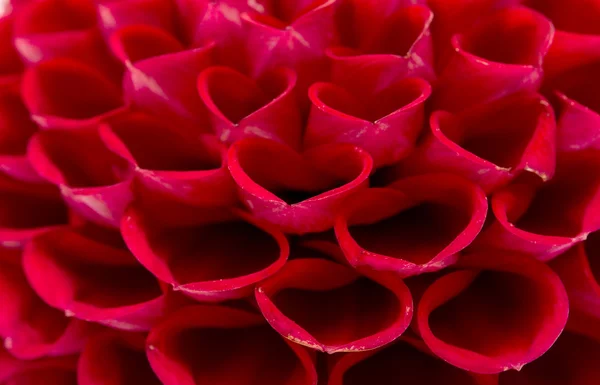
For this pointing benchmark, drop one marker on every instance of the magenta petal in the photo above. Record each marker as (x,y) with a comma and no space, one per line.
(61,28)
(30,328)
(115,359)
(495,58)
(386,49)
(219,345)
(514,303)
(386,124)
(415,225)
(91,279)
(170,162)
(332,308)
(300,192)
(528,218)
(406,361)
(115,14)
(240,107)
(573,359)
(56,371)
(94,182)
(62,93)
(209,259)
(490,144)
(166,85)
(138,42)
(27,209)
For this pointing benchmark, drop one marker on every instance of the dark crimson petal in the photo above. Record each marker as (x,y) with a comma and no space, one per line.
(579,269)
(47,29)
(578,125)
(115,359)
(220,345)
(240,107)
(16,128)
(386,124)
(207,257)
(572,360)
(91,279)
(293,34)
(115,14)
(501,54)
(300,192)
(61,93)
(406,361)
(491,143)
(388,47)
(27,209)
(502,312)
(55,371)
(30,328)
(545,220)
(166,84)
(94,182)
(170,162)
(331,308)
(416,225)
(11,65)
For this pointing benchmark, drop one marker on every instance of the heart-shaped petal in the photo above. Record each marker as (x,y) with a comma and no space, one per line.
(331,309)
(517,305)
(415,225)
(300,192)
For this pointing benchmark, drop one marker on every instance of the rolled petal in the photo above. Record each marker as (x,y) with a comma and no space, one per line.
(58,371)
(166,84)
(47,29)
(115,359)
(89,274)
(490,144)
(502,312)
(300,192)
(408,360)
(530,219)
(241,107)
(207,257)
(210,344)
(573,359)
(416,225)
(334,309)
(387,46)
(579,270)
(29,327)
(133,43)
(386,125)
(501,54)
(62,93)
(114,14)
(27,209)
(93,181)
(16,128)
(170,162)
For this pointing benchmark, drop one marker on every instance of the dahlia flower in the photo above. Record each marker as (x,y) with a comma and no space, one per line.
(300,192)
